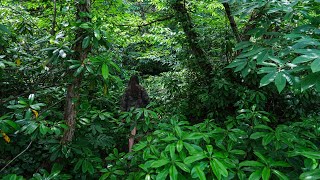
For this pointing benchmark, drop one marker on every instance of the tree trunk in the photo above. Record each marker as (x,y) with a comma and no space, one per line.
(232,22)
(53,31)
(250,25)
(80,54)
(184,18)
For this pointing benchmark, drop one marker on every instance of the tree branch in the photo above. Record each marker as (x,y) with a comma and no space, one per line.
(16,156)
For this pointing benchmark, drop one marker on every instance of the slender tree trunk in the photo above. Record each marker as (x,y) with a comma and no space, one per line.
(80,54)
(53,31)
(250,25)
(232,22)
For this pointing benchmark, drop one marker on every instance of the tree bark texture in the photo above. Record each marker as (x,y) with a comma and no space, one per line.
(80,54)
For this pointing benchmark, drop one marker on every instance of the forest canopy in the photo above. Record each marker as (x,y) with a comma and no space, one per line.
(231,89)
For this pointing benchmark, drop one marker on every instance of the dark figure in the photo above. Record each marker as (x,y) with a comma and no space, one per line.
(135,96)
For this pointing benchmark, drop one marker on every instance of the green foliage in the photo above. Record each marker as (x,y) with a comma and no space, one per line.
(204,121)
(206,151)
(284,51)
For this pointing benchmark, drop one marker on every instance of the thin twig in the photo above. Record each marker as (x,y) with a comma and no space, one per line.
(16,156)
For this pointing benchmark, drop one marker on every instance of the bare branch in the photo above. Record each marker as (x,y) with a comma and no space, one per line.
(16,156)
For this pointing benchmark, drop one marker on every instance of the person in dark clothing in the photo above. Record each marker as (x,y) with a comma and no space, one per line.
(135,96)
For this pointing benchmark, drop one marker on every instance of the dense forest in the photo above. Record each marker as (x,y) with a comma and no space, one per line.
(231,89)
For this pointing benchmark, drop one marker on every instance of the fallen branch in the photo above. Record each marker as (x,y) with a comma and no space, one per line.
(16,156)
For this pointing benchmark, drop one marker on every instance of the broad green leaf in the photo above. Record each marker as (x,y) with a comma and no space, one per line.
(310,175)
(303,59)
(173,173)
(97,34)
(245,71)
(169,138)
(241,66)
(140,146)
(209,149)
(267,79)
(237,62)
(241,175)
(258,135)
(37,106)
(178,131)
(31,127)
(4,29)
(251,164)
(216,164)
(89,69)
(279,164)
(179,145)
(84,166)
(238,152)
(280,175)
(309,81)
(191,159)
(260,156)
(266,173)
(78,165)
(172,149)
(95,42)
(148,177)
(78,71)
(17,106)
(183,167)
(267,139)
(43,129)
(159,163)
(276,60)
(262,56)
(2,65)
(115,66)
(293,36)
(105,71)
(163,174)
(14,125)
(310,163)
(85,26)
(311,154)
(313,52)
(315,65)
(74,66)
(56,169)
(255,175)
(254,51)
(85,42)
(190,148)
(242,45)
(267,70)
(200,172)
(192,136)
(105,176)
(119,172)
(280,81)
